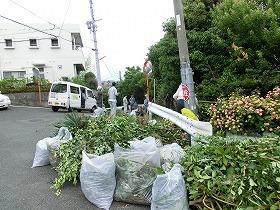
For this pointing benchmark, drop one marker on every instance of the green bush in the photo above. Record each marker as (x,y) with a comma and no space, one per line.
(13,85)
(234,174)
(247,114)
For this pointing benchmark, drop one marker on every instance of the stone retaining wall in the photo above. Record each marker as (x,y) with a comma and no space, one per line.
(29,99)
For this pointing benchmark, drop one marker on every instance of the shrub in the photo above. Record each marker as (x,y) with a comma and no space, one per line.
(234,174)
(248,114)
(13,85)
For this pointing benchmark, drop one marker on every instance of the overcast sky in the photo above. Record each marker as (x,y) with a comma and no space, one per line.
(127,28)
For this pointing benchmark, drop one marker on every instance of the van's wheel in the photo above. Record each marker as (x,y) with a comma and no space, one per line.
(55,108)
(79,110)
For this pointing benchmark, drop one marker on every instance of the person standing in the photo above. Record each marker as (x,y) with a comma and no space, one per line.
(125,104)
(112,93)
(146,103)
(181,96)
(99,97)
(133,103)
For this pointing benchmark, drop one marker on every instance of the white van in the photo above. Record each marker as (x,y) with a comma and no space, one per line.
(67,95)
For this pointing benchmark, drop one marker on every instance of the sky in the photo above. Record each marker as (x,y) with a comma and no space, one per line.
(126,29)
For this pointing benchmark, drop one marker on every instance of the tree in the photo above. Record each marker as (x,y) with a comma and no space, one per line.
(133,84)
(88,63)
(87,79)
(233,47)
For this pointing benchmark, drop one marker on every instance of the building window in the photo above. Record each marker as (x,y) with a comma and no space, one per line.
(54,43)
(9,43)
(33,43)
(78,68)
(39,72)
(76,41)
(15,74)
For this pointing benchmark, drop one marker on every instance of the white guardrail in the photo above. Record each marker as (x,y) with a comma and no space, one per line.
(192,127)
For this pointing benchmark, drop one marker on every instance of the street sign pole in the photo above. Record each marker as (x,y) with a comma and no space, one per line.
(186,71)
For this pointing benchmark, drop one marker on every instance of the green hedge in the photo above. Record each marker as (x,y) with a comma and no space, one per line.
(13,85)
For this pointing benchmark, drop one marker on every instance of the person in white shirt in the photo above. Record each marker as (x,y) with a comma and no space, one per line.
(181,96)
(125,104)
(112,93)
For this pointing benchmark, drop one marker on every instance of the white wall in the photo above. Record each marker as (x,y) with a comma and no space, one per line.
(22,57)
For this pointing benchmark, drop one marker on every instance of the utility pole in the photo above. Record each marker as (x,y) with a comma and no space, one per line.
(92,25)
(186,71)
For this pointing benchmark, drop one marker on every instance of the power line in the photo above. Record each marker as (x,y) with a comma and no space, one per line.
(27,40)
(28,32)
(32,13)
(69,2)
(35,29)
(27,26)
(112,74)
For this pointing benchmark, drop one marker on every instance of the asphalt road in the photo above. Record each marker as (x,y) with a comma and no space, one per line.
(26,188)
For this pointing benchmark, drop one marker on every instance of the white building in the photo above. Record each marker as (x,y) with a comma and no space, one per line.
(53,54)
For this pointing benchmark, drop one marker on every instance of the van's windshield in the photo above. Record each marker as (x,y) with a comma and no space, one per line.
(59,88)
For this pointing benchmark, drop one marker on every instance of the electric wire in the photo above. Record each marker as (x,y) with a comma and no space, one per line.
(27,32)
(69,2)
(112,75)
(110,67)
(38,30)
(33,13)
(28,26)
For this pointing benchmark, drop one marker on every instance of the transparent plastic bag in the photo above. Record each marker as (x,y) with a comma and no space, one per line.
(41,157)
(148,140)
(169,192)
(171,153)
(99,111)
(136,172)
(98,179)
(63,136)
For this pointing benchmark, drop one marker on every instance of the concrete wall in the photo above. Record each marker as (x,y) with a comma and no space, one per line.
(29,99)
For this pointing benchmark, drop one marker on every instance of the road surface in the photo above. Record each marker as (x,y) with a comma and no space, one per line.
(26,188)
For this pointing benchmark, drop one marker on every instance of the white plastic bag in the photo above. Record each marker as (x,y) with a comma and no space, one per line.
(98,179)
(169,192)
(99,111)
(152,141)
(171,153)
(63,136)
(136,172)
(42,153)
(44,147)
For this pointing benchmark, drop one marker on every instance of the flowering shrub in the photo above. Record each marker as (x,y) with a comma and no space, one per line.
(247,114)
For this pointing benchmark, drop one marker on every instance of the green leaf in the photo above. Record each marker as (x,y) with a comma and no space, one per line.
(252,183)
(277,179)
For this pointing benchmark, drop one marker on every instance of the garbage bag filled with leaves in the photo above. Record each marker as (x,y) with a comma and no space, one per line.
(136,172)
(171,153)
(168,192)
(98,179)
(41,157)
(63,136)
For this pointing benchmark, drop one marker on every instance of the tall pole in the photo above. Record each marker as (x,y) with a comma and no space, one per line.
(186,71)
(93,28)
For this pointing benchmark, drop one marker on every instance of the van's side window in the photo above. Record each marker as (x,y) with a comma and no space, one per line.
(59,88)
(74,90)
(90,93)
